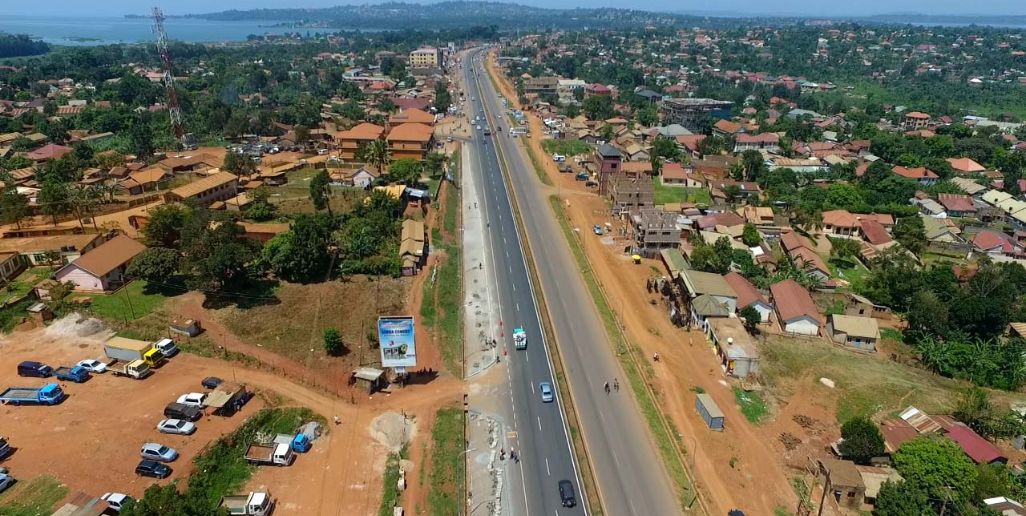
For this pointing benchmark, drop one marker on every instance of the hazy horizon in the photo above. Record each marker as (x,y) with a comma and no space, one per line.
(737,7)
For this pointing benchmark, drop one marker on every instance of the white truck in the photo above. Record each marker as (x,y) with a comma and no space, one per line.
(277,454)
(256,503)
(519,338)
(137,369)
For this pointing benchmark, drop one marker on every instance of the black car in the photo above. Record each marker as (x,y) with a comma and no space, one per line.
(566,493)
(152,468)
(211,382)
(183,411)
(36,369)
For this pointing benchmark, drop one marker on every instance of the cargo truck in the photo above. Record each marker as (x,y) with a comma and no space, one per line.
(256,503)
(137,369)
(274,453)
(519,338)
(75,374)
(130,350)
(49,394)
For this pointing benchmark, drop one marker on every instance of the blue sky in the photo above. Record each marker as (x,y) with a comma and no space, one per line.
(784,7)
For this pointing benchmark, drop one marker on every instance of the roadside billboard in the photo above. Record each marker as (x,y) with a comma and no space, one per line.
(396,335)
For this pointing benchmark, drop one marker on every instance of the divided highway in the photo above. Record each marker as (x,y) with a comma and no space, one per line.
(630,475)
(541,438)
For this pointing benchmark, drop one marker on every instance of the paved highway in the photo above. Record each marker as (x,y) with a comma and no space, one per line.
(541,433)
(630,475)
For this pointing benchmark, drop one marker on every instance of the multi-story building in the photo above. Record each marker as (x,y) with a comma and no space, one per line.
(426,57)
(691,112)
(410,140)
(567,88)
(610,159)
(542,85)
(349,142)
(632,193)
(219,186)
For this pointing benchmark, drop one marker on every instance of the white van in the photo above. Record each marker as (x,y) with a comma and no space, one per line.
(558,158)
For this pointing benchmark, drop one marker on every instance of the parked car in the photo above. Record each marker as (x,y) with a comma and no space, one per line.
(597,229)
(93,366)
(211,382)
(34,369)
(6,480)
(194,399)
(182,411)
(152,468)
(116,501)
(176,426)
(566,493)
(158,452)
(546,392)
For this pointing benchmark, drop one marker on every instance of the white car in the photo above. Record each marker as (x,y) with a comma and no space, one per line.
(93,366)
(116,501)
(193,399)
(176,426)
(158,452)
(6,480)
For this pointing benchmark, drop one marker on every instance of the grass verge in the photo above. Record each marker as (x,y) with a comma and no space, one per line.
(672,194)
(566,147)
(32,497)
(390,491)
(131,302)
(440,307)
(752,405)
(448,467)
(666,437)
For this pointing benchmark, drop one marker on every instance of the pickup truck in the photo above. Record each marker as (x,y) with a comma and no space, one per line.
(519,338)
(49,394)
(167,347)
(274,453)
(136,369)
(257,503)
(75,374)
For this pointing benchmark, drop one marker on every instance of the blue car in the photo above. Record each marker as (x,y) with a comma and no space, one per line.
(546,392)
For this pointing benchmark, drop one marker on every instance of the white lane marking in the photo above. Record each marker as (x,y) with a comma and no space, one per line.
(547,470)
(518,306)
(532,387)
(514,285)
(539,423)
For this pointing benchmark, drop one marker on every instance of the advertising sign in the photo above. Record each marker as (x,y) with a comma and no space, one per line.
(396,336)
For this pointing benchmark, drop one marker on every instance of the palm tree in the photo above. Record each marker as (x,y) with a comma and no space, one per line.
(435,164)
(375,153)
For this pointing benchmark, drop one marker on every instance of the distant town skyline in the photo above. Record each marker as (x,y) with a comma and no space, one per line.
(724,7)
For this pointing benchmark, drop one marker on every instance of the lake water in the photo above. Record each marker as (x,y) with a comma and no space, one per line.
(108,30)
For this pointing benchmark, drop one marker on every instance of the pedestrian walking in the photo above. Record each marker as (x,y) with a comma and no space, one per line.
(607,387)
(616,384)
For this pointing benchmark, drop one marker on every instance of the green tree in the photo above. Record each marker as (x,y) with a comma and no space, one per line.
(754,165)
(157,264)
(54,199)
(648,116)
(140,138)
(13,206)
(664,147)
(214,254)
(164,228)
(911,233)
(901,499)
(333,343)
(301,254)
(443,99)
(751,317)
(375,153)
(320,190)
(750,235)
(939,468)
(238,163)
(862,440)
(927,314)
(598,107)
(158,500)
(302,134)
(434,164)
(406,171)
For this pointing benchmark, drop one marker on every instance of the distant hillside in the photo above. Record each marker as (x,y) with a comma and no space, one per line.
(444,15)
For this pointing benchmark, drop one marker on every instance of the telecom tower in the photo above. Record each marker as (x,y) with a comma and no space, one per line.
(174,108)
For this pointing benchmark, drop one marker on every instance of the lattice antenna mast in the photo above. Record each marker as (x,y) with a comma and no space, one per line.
(174,107)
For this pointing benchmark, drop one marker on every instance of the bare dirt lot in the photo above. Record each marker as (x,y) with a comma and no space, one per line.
(91,440)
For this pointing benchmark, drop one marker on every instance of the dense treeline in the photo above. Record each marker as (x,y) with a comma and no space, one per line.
(18,45)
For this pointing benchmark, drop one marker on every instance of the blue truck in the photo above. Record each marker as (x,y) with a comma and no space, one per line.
(49,394)
(77,374)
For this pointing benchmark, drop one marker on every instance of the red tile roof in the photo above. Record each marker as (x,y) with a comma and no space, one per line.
(980,450)
(896,432)
(874,232)
(727,126)
(364,131)
(792,240)
(965,165)
(49,151)
(956,203)
(840,218)
(793,301)
(916,173)
(746,292)
(987,240)
(690,141)
(410,132)
(769,138)
(673,171)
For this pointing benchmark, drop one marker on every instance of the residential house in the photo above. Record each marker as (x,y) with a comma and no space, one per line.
(359,178)
(654,229)
(145,180)
(748,295)
(846,485)
(874,233)
(38,250)
(727,129)
(1004,506)
(261,231)
(410,116)
(350,141)
(980,450)
(190,163)
(761,216)
(711,295)
(965,166)
(942,230)
(591,90)
(796,311)
(675,174)
(49,152)
(968,186)
(632,193)
(215,187)
(635,152)
(930,208)
(840,223)
(736,349)
(636,168)
(915,120)
(545,85)
(861,333)
(413,247)
(12,264)
(104,267)
(957,205)
(610,161)
(410,140)
(994,243)
(769,142)
(921,175)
